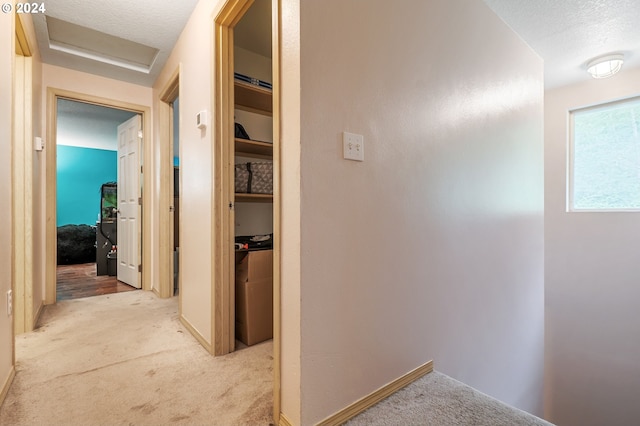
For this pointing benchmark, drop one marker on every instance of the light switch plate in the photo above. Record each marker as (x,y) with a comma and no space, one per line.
(38,143)
(353,146)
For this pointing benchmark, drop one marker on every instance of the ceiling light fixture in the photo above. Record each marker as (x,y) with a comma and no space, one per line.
(605,66)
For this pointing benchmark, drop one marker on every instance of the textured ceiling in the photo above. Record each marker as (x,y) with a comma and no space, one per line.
(568,33)
(565,33)
(152,23)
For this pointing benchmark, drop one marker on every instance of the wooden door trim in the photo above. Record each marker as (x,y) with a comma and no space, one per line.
(53,94)
(276,24)
(222,302)
(22,184)
(168,94)
(222,268)
(22,45)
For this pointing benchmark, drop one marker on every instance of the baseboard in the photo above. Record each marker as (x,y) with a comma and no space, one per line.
(284,421)
(195,333)
(7,385)
(36,318)
(373,398)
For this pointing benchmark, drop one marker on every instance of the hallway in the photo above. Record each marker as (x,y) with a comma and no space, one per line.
(125,358)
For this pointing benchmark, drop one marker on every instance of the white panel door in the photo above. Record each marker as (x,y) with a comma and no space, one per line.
(129,142)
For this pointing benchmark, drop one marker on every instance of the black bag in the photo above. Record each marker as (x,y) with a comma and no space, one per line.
(240,132)
(254,242)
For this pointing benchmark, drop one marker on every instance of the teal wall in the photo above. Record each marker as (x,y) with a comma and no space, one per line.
(81,172)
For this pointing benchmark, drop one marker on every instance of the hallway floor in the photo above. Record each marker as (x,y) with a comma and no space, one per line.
(82,280)
(125,358)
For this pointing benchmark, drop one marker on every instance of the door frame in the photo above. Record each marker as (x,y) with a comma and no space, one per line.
(22,183)
(223,302)
(166,212)
(53,94)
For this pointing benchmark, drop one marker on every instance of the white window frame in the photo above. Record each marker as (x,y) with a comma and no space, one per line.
(571,157)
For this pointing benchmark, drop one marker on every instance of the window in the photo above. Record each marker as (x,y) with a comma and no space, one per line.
(605,157)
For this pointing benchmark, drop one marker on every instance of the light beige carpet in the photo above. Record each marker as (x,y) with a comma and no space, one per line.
(125,359)
(439,400)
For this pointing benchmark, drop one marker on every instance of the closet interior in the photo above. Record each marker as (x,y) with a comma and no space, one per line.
(252,157)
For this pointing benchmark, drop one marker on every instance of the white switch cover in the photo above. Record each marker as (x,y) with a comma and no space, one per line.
(353,146)
(202,119)
(9,303)
(38,143)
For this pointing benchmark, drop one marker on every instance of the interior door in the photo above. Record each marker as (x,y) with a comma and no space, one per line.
(129,209)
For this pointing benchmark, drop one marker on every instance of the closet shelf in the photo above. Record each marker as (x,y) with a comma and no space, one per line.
(254,198)
(252,98)
(248,148)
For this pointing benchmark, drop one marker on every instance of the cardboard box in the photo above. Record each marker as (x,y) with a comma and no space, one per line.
(254,296)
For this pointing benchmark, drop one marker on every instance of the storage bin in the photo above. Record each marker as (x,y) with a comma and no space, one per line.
(254,178)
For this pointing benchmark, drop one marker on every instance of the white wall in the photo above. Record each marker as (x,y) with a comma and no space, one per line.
(592,350)
(433,247)
(6,118)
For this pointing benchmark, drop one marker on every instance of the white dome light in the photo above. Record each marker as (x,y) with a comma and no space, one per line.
(605,66)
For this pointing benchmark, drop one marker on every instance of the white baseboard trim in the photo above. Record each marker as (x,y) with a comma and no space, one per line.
(7,385)
(373,398)
(195,333)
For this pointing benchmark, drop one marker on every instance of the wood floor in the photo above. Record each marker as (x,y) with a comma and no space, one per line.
(76,281)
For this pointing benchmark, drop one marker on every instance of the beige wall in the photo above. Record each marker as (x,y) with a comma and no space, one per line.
(6,118)
(290,212)
(193,53)
(77,81)
(433,247)
(592,373)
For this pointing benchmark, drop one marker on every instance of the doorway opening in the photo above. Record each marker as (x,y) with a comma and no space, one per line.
(133,221)
(87,205)
(169,210)
(175,120)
